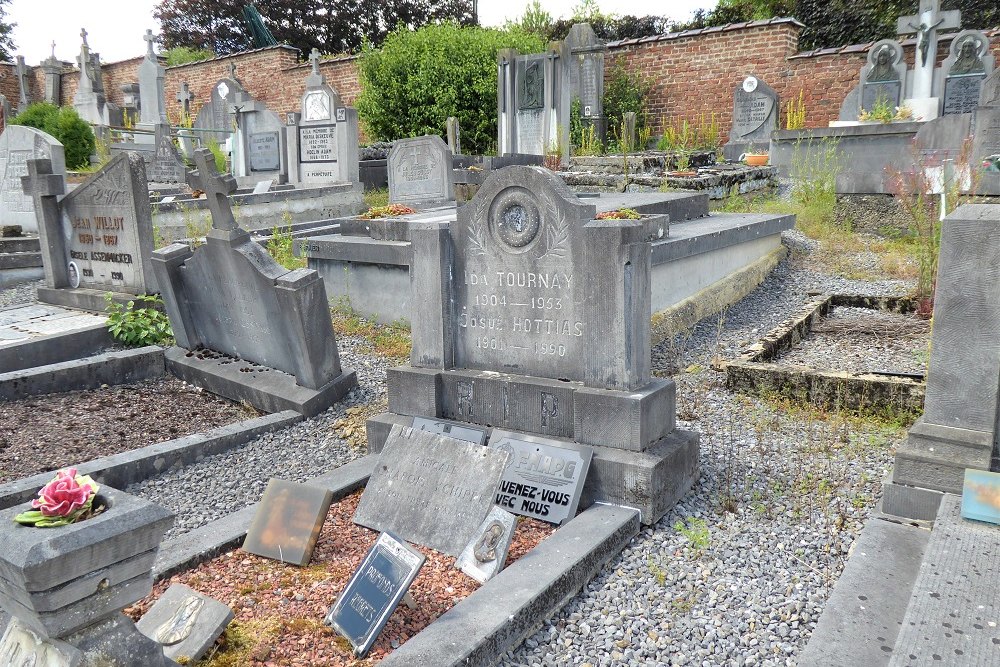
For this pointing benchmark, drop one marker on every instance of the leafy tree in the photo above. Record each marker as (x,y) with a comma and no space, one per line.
(66,126)
(331,26)
(180,55)
(418,78)
(6,42)
(534,20)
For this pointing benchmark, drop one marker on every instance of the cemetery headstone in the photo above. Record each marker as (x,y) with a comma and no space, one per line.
(89,100)
(583,58)
(323,138)
(534,318)
(486,554)
(529,104)
(217,116)
(98,238)
(53,68)
(454,135)
(22,84)
(882,78)
(926,24)
(153,102)
(964,70)
(231,297)
(260,142)
(374,592)
(431,489)
(185,622)
(18,144)
(543,478)
(421,173)
(288,520)
(165,164)
(185,97)
(755,115)
(476,436)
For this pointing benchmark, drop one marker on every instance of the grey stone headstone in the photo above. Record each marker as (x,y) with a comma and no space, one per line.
(110,230)
(532,105)
(989,95)
(431,489)
(165,164)
(486,554)
(217,114)
(18,144)
(585,69)
(323,138)
(968,64)
(152,98)
(544,477)
(264,151)
(884,75)
(986,135)
(420,172)
(185,622)
(755,115)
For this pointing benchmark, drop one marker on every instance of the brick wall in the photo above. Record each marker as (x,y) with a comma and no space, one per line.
(8,83)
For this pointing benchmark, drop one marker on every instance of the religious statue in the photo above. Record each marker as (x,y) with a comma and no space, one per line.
(969,61)
(532,91)
(486,547)
(923,42)
(883,69)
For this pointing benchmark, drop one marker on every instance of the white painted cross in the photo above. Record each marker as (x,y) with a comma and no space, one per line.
(925,24)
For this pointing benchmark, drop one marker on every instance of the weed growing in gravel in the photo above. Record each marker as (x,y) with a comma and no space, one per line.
(281,246)
(376,198)
(695,532)
(138,326)
(386,340)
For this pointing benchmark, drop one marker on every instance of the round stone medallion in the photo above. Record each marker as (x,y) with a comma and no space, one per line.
(516,220)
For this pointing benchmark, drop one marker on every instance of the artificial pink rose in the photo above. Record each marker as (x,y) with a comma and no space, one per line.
(65,494)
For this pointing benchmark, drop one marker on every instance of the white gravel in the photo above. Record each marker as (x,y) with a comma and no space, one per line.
(18,294)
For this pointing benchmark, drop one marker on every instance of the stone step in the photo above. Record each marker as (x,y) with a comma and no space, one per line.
(20,244)
(20,260)
(931,463)
(951,617)
(863,616)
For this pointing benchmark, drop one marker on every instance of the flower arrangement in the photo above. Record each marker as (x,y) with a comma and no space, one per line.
(620,214)
(66,499)
(390,211)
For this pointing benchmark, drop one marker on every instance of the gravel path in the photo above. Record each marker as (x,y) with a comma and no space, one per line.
(739,571)
(228,482)
(18,294)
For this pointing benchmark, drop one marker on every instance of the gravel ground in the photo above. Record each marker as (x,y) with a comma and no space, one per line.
(236,479)
(739,571)
(861,340)
(49,432)
(18,294)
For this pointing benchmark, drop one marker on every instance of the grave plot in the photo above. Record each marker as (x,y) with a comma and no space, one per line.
(864,354)
(280,608)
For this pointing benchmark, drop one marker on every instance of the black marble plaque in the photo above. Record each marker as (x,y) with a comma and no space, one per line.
(871,92)
(374,591)
(961,93)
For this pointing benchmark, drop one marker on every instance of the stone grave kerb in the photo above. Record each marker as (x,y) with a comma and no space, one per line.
(45,188)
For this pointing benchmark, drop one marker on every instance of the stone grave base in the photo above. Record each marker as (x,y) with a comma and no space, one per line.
(111,643)
(82,298)
(266,389)
(651,481)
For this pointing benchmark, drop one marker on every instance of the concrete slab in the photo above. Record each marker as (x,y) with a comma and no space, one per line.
(111,368)
(955,604)
(862,618)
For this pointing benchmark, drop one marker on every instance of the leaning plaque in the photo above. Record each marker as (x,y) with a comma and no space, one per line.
(544,477)
(288,520)
(374,591)
(486,554)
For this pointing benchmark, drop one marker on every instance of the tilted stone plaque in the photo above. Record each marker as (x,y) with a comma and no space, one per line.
(543,478)
(288,520)
(185,622)
(430,489)
(476,436)
(420,172)
(18,144)
(374,592)
(486,554)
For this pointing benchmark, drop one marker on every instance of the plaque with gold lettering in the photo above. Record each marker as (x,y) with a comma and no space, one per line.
(288,520)
(374,591)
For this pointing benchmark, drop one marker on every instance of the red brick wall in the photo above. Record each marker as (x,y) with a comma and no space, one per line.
(8,83)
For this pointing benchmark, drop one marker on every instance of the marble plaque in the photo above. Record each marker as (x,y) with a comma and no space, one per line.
(264,151)
(316,106)
(420,172)
(486,554)
(318,143)
(430,489)
(530,132)
(543,478)
(185,622)
(288,520)
(18,144)
(961,93)
(108,224)
(374,591)
(476,436)
(871,92)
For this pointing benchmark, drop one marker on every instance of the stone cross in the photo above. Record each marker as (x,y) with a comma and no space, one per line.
(44,188)
(53,49)
(185,96)
(22,80)
(149,44)
(925,24)
(83,35)
(232,71)
(314,59)
(217,189)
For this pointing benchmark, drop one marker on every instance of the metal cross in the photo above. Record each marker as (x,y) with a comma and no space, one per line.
(149,43)
(314,59)
(217,189)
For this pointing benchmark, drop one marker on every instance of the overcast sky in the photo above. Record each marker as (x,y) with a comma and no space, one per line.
(115,27)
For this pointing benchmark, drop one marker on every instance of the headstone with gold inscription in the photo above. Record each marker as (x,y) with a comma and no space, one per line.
(288,520)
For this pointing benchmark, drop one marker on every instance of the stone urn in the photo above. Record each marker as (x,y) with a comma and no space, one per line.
(59,581)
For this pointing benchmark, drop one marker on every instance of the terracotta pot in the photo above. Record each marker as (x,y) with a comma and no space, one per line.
(756,159)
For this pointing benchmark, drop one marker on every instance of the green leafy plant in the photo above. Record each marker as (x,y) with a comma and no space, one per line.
(387,211)
(181,55)
(700,135)
(65,124)
(418,78)
(138,326)
(281,245)
(624,91)
(221,161)
(695,532)
(884,112)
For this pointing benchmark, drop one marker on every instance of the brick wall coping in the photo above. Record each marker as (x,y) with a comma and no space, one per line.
(704,31)
(236,55)
(943,38)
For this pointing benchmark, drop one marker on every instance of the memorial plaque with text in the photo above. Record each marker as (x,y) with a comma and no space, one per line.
(544,477)
(264,151)
(589,95)
(961,93)
(430,489)
(873,92)
(420,172)
(476,436)
(530,133)
(374,592)
(318,143)
(108,223)
(18,144)
(288,520)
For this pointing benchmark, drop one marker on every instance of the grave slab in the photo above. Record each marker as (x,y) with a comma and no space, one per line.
(431,489)
(288,521)
(185,622)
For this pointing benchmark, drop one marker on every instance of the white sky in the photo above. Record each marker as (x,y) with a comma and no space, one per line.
(115,27)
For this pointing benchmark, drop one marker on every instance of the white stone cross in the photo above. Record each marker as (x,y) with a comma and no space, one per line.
(83,34)
(925,24)
(149,44)
(314,59)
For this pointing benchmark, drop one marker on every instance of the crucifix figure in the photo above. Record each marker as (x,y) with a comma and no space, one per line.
(925,24)
(217,188)
(314,59)
(149,44)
